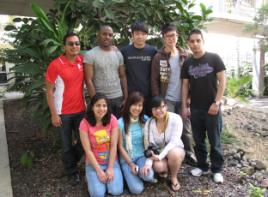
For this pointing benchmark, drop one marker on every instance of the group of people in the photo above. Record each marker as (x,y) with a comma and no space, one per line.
(143,105)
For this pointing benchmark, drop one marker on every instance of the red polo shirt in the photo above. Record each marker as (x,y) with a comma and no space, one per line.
(69,82)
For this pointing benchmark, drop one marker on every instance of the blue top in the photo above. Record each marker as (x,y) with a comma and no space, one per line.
(136,131)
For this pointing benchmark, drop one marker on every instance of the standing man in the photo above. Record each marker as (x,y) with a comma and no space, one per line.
(138,59)
(64,92)
(166,70)
(105,71)
(204,79)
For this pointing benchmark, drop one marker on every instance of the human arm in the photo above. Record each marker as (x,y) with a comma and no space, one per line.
(185,98)
(125,155)
(155,77)
(89,74)
(55,118)
(89,154)
(214,108)
(123,80)
(113,152)
(173,134)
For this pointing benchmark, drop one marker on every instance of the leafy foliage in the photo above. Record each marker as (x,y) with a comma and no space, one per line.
(26,159)
(256,191)
(39,40)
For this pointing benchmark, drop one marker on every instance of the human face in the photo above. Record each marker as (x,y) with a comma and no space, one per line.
(196,44)
(72,46)
(170,39)
(100,109)
(160,112)
(139,38)
(135,109)
(105,36)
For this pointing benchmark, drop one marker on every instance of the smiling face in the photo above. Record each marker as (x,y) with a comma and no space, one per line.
(105,36)
(136,109)
(160,112)
(72,46)
(100,109)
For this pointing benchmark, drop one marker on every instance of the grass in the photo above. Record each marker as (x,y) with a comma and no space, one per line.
(227,137)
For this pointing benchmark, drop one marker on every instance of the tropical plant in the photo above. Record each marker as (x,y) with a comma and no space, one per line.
(39,40)
(256,191)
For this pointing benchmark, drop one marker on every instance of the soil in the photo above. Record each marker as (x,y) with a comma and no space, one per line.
(46,176)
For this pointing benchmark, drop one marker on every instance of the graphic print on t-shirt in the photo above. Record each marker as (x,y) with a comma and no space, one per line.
(200,71)
(103,140)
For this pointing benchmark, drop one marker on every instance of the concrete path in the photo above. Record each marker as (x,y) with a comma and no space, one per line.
(5,180)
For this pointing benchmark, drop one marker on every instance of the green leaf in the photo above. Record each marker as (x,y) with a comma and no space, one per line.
(10,28)
(50,40)
(16,20)
(98,3)
(51,49)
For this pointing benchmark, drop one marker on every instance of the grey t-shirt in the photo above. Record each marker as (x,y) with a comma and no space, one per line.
(106,77)
(174,86)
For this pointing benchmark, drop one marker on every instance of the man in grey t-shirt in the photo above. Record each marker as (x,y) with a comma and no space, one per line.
(105,71)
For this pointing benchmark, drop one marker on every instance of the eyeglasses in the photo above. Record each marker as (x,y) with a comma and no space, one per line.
(70,43)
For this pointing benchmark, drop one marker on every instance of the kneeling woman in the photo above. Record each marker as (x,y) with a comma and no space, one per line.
(99,136)
(162,139)
(131,145)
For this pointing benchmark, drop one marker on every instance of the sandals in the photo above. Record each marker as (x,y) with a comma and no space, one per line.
(175,187)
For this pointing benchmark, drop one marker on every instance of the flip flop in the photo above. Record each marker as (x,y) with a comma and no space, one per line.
(175,187)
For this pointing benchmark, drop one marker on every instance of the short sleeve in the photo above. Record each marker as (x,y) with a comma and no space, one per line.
(219,65)
(114,122)
(184,72)
(52,73)
(89,57)
(120,57)
(83,125)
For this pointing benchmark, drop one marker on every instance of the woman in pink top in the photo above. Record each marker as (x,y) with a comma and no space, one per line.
(99,134)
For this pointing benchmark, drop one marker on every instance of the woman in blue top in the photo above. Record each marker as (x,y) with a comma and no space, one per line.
(130,144)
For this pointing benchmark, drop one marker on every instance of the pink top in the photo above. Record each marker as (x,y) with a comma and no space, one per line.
(99,138)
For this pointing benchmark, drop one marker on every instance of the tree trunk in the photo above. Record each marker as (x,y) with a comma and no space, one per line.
(261,74)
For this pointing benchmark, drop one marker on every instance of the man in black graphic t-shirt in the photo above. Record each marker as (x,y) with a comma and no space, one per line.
(204,79)
(137,59)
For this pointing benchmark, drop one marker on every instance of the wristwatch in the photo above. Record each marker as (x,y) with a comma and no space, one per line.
(217,103)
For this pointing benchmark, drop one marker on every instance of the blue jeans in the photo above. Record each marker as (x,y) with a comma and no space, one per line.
(98,189)
(135,182)
(69,130)
(204,125)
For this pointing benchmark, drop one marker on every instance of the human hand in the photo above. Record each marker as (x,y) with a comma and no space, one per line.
(155,157)
(145,169)
(102,176)
(213,109)
(134,168)
(56,120)
(185,112)
(109,174)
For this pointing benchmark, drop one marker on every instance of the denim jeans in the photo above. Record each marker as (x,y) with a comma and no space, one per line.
(204,125)
(69,132)
(135,182)
(98,189)
(186,137)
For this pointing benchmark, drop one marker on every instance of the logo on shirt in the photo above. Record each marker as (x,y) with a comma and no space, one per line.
(200,71)
(103,140)
(163,63)
(79,67)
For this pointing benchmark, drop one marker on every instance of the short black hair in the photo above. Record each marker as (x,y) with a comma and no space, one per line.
(139,26)
(168,27)
(195,31)
(104,25)
(156,101)
(69,34)
(90,116)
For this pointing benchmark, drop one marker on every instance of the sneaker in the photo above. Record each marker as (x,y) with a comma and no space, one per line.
(198,172)
(218,178)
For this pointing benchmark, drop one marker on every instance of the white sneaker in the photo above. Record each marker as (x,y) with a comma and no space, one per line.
(198,172)
(218,178)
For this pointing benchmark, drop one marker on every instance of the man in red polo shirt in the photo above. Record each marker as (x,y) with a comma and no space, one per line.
(64,91)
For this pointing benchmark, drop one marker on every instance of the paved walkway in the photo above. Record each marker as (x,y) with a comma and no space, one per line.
(5,180)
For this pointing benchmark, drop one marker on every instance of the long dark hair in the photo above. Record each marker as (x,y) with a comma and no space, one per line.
(90,116)
(133,98)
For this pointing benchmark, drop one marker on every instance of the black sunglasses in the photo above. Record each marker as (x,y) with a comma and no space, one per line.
(76,43)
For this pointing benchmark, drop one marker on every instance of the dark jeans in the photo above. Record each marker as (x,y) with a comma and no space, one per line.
(72,150)
(115,105)
(186,132)
(204,125)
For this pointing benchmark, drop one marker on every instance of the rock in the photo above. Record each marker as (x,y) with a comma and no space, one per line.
(260,165)
(248,170)
(264,183)
(258,176)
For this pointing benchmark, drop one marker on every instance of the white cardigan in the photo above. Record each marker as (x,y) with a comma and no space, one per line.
(172,134)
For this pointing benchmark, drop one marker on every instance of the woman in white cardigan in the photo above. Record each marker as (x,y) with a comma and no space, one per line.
(163,132)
